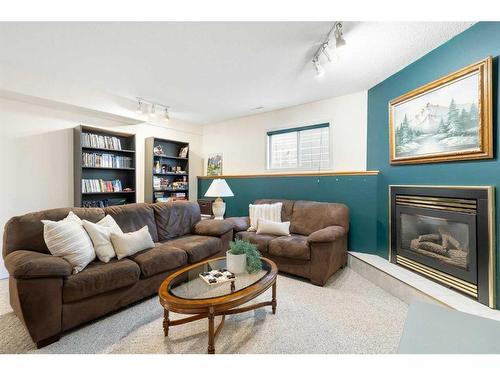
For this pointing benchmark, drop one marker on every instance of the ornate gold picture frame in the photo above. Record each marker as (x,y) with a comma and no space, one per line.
(449,119)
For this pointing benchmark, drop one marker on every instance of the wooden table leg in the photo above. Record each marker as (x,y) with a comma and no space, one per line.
(211,333)
(166,322)
(273,301)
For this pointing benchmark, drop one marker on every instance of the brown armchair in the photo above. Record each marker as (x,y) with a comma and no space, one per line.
(317,246)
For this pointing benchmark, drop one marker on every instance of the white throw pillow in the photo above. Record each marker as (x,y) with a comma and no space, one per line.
(273,227)
(100,233)
(67,239)
(127,244)
(263,211)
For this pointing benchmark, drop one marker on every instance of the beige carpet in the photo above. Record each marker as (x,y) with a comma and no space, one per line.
(349,315)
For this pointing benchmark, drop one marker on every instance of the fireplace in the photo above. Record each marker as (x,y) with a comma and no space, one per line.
(446,233)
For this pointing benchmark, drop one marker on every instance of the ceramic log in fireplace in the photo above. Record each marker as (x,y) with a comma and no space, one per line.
(447,235)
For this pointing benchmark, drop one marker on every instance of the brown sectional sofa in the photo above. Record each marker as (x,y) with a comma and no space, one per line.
(49,299)
(317,246)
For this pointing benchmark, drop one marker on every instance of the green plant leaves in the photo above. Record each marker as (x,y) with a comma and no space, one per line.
(254,263)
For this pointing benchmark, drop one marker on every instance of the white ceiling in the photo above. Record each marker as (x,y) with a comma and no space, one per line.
(209,72)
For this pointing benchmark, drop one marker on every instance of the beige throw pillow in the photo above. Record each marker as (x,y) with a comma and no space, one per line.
(273,227)
(67,239)
(100,233)
(263,211)
(127,244)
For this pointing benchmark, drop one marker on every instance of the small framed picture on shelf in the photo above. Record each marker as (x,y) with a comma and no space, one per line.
(214,164)
(183,153)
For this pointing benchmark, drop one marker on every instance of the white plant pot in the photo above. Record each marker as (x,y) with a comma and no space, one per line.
(236,263)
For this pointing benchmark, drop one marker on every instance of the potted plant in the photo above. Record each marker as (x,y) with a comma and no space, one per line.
(243,256)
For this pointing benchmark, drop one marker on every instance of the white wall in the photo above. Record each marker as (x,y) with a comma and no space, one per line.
(36,155)
(243,141)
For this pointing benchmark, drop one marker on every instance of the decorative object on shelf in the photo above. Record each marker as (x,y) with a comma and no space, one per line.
(183,153)
(157,167)
(219,188)
(218,276)
(446,120)
(243,256)
(158,150)
(214,165)
(164,168)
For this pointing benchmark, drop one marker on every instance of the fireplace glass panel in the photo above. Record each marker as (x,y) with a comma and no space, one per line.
(444,240)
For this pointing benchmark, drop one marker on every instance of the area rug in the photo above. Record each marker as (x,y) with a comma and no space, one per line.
(348,315)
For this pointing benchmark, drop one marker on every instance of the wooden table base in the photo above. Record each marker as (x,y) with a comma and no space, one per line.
(211,314)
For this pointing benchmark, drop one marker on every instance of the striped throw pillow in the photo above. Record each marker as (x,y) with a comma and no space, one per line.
(68,239)
(263,211)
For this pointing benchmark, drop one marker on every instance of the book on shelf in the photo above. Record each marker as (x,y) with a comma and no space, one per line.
(101,141)
(101,186)
(106,160)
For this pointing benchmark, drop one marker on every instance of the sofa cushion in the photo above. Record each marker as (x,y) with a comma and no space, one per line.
(294,246)
(259,240)
(175,219)
(132,217)
(163,257)
(197,247)
(99,278)
(26,232)
(286,208)
(308,216)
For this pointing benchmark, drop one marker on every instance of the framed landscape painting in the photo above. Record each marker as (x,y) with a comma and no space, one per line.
(446,120)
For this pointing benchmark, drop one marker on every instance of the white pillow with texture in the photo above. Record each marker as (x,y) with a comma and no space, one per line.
(273,227)
(127,244)
(67,239)
(100,233)
(263,211)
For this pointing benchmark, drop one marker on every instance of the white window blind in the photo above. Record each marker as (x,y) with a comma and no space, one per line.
(306,147)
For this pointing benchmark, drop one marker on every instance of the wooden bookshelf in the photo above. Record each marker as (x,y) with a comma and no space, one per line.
(109,171)
(164,167)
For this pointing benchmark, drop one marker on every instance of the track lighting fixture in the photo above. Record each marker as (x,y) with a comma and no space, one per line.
(320,71)
(339,40)
(152,109)
(326,48)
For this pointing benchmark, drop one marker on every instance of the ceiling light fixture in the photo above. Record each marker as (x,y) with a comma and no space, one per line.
(153,109)
(320,71)
(139,107)
(326,47)
(339,40)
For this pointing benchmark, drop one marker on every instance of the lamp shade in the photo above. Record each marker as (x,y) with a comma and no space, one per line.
(219,188)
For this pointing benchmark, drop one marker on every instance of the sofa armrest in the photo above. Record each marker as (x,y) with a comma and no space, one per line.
(328,234)
(212,227)
(240,224)
(25,264)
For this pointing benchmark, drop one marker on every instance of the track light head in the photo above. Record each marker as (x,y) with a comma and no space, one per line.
(339,40)
(320,71)
(325,52)
(139,107)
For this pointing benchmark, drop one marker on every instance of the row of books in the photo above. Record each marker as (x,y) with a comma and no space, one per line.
(101,141)
(102,203)
(100,186)
(106,160)
(160,183)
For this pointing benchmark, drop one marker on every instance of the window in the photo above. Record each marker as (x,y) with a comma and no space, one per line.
(306,147)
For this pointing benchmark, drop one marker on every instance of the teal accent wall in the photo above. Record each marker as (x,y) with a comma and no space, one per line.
(357,192)
(474,44)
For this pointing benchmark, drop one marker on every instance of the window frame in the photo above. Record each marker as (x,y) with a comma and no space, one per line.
(297,130)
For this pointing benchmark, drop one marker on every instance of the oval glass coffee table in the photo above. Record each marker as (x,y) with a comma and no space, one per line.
(185,292)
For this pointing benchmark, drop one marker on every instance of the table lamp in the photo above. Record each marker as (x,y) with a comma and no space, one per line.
(219,188)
